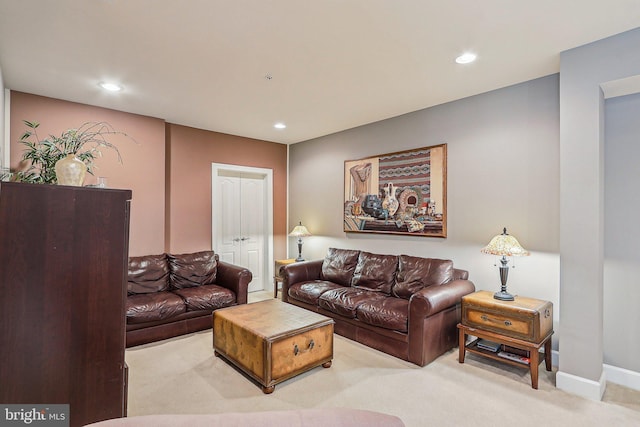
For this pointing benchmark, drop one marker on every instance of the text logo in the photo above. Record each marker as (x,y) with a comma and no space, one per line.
(34,415)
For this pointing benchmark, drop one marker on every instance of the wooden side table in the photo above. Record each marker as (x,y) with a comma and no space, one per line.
(277,276)
(525,324)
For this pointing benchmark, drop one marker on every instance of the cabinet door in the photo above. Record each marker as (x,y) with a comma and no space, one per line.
(63,257)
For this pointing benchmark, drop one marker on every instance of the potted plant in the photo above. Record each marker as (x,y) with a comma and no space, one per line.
(82,145)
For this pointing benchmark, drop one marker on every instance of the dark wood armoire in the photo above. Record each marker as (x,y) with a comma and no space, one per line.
(63,264)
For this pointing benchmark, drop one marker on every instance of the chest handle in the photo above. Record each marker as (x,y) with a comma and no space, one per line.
(297,351)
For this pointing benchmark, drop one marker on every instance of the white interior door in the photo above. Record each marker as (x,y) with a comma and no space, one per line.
(240,222)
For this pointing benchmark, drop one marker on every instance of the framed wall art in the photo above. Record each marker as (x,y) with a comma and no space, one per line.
(398,193)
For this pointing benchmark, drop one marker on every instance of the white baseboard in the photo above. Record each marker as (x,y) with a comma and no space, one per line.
(623,377)
(612,374)
(581,386)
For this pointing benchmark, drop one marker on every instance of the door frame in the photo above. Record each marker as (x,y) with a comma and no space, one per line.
(267,174)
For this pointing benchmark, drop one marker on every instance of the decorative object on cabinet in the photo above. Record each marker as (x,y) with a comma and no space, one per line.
(522,327)
(63,267)
(5,174)
(504,245)
(84,143)
(300,231)
(398,193)
(70,170)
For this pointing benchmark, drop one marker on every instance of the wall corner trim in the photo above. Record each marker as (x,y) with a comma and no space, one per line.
(582,387)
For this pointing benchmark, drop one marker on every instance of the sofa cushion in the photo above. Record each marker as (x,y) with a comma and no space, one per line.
(345,301)
(143,308)
(375,272)
(338,266)
(416,273)
(389,313)
(189,270)
(146,274)
(309,292)
(206,297)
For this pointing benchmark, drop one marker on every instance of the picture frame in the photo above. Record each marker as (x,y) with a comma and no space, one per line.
(403,192)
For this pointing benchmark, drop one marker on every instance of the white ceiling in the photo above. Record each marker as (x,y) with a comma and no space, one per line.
(335,64)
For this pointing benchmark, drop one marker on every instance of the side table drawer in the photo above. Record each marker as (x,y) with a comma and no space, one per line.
(496,322)
(527,319)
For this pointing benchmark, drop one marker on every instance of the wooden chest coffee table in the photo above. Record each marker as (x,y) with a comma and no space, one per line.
(272,341)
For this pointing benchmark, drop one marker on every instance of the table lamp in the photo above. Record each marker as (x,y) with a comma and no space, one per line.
(299,231)
(505,246)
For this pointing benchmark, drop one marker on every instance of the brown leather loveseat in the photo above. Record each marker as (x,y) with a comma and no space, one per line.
(402,305)
(170,295)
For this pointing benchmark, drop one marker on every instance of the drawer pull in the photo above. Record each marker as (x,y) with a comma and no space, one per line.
(297,351)
(485,318)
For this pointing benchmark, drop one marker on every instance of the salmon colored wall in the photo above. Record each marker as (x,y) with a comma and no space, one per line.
(190,153)
(143,168)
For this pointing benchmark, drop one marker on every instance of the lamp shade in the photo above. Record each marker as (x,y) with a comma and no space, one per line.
(504,245)
(299,231)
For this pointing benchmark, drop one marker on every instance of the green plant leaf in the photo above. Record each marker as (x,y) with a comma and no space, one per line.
(32,125)
(26,135)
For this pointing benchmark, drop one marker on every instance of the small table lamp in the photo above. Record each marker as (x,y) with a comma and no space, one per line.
(504,245)
(299,231)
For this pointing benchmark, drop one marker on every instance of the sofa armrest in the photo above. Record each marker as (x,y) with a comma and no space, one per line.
(234,278)
(433,299)
(460,274)
(299,272)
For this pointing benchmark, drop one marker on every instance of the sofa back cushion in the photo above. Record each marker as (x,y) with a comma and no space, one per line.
(375,272)
(147,274)
(338,266)
(196,269)
(416,273)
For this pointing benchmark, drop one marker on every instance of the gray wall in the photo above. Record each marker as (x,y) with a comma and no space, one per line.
(582,211)
(517,159)
(503,171)
(622,233)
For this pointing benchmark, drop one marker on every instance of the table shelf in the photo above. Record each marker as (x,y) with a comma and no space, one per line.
(472,347)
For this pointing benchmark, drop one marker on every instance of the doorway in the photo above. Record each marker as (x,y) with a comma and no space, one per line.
(242,219)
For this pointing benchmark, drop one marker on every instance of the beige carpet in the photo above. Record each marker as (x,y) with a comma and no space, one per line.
(182,375)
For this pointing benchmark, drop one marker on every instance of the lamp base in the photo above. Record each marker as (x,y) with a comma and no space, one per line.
(299,250)
(503,296)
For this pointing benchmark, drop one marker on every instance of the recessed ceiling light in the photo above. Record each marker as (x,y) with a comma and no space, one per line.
(111,87)
(280,126)
(466,58)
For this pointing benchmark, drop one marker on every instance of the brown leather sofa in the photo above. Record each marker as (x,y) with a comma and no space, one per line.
(170,295)
(402,305)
